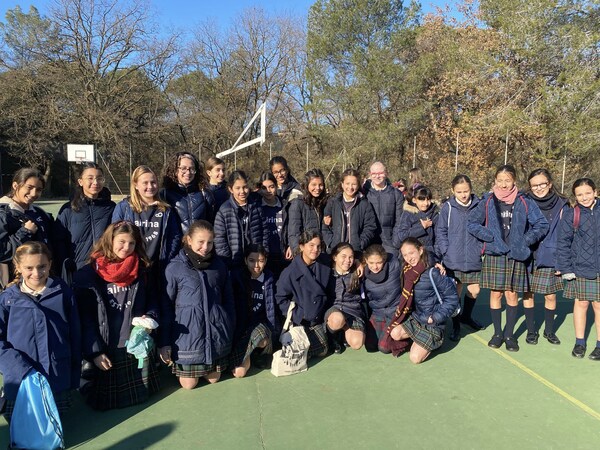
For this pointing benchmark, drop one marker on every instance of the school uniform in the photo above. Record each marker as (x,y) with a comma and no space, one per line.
(75,232)
(273,216)
(544,281)
(197,315)
(40,331)
(382,291)
(220,194)
(426,304)
(106,314)
(508,233)
(459,250)
(257,316)
(190,203)
(578,252)
(312,289)
(410,226)
(349,304)
(388,205)
(236,227)
(353,222)
(302,217)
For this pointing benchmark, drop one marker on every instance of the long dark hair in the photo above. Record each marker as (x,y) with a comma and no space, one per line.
(354,286)
(546,173)
(78,195)
(314,202)
(22,175)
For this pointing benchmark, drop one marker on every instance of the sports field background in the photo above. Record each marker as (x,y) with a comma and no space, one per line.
(466,396)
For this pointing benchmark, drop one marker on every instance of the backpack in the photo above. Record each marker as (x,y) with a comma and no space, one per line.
(576,217)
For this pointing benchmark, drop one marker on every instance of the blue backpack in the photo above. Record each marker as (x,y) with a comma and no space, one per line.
(35,423)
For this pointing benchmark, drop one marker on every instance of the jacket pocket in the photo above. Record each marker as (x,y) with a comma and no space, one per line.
(221,331)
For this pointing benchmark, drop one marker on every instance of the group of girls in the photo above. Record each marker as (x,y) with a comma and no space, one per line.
(215,266)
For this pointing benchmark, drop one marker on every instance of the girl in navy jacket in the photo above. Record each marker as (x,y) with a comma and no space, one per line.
(184,189)
(20,220)
(306,212)
(239,223)
(82,221)
(349,216)
(257,317)
(545,280)
(111,291)
(419,220)
(459,250)
(509,224)
(39,328)
(346,318)
(198,312)
(307,281)
(578,259)
(215,170)
(382,290)
(426,323)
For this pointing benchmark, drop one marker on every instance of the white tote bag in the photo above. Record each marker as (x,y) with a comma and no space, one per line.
(291,358)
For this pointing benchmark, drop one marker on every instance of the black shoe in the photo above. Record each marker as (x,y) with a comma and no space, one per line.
(511,344)
(338,348)
(552,338)
(578,351)
(454,334)
(595,355)
(472,323)
(496,341)
(88,371)
(532,337)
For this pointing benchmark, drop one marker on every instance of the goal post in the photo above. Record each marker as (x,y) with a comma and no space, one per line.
(262,113)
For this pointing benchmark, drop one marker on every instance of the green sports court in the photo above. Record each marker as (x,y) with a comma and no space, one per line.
(465,396)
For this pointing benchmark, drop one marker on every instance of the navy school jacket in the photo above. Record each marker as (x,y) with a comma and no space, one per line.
(363,223)
(528,226)
(410,226)
(426,303)
(388,205)
(383,297)
(313,294)
(42,334)
(544,254)
(189,203)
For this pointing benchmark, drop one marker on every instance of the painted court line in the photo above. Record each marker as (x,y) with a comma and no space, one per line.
(542,380)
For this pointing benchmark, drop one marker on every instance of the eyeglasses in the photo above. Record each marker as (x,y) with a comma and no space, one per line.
(377,174)
(539,186)
(187,169)
(96,179)
(279,172)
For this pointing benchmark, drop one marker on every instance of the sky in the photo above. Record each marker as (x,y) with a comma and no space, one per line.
(185,14)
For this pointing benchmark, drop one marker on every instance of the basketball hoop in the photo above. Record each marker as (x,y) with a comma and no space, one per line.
(80,153)
(262,112)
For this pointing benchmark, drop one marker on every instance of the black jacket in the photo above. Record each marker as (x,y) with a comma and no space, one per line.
(363,223)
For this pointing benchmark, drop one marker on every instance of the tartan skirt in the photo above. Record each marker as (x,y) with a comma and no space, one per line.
(124,384)
(249,342)
(63,402)
(499,273)
(545,282)
(465,277)
(353,322)
(317,335)
(375,333)
(583,289)
(200,370)
(427,336)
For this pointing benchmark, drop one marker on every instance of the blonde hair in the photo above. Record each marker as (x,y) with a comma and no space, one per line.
(135,199)
(28,248)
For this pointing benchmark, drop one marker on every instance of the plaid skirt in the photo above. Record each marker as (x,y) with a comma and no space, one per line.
(317,335)
(427,336)
(464,277)
(353,322)
(545,282)
(244,347)
(499,273)
(375,333)
(583,289)
(124,384)
(63,402)
(200,370)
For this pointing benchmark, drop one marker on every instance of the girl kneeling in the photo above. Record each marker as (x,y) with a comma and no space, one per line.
(427,322)
(346,318)
(198,313)
(257,318)
(307,281)
(111,291)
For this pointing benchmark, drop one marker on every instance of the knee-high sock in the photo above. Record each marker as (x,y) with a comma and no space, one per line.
(549,320)
(529,319)
(511,320)
(497,321)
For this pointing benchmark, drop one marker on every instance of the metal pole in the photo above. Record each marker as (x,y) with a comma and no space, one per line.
(200,151)
(506,150)
(415,152)
(130,159)
(235,161)
(270,151)
(307,156)
(456,158)
(564,171)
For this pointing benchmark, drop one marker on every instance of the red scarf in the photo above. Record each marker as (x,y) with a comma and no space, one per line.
(410,277)
(121,273)
(507,197)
